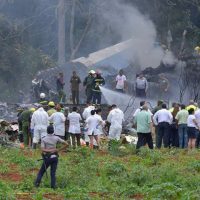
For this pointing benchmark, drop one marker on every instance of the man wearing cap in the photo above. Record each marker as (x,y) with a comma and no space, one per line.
(51,110)
(50,155)
(88,85)
(26,119)
(75,82)
(97,82)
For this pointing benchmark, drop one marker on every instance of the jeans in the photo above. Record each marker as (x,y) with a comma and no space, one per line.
(183,136)
(52,162)
(140,92)
(174,136)
(75,96)
(163,134)
(96,97)
(143,139)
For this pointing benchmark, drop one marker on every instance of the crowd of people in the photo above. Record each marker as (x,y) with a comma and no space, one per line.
(177,127)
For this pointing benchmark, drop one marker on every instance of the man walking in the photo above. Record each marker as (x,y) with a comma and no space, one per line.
(144,126)
(163,118)
(50,156)
(75,82)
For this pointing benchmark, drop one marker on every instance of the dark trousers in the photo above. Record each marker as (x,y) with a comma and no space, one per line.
(198,139)
(140,92)
(143,139)
(75,96)
(163,134)
(120,90)
(89,95)
(174,137)
(76,138)
(96,98)
(52,162)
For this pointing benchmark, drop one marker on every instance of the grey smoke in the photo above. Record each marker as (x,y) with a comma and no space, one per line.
(128,22)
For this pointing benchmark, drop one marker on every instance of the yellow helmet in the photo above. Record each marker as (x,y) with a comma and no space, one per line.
(51,104)
(32,109)
(197,48)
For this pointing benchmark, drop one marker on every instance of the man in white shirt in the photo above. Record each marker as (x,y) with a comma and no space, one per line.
(115,118)
(39,123)
(58,120)
(75,127)
(121,82)
(163,118)
(141,86)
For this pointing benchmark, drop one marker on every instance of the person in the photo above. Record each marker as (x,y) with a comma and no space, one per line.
(75,82)
(192,125)
(75,127)
(197,116)
(163,83)
(88,81)
(96,91)
(60,88)
(121,82)
(191,105)
(163,118)
(142,103)
(58,120)
(26,120)
(174,137)
(115,118)
(143,123)
(50,156)
(181,118)
(52,109)
(158,107)
(141,86)
(92,123)
(39,123)
(87,113)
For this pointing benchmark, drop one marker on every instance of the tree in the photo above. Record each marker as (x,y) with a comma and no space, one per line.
(61,32)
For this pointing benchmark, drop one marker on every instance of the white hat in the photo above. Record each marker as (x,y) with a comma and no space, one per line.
(42,95)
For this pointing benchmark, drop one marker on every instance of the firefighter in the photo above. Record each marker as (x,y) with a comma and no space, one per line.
(88,85)
(97,82)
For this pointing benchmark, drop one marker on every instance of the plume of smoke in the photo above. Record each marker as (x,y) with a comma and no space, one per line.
(127,22)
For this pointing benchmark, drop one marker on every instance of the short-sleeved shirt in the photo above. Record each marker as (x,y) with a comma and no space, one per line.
(190,122)
(120,81)
(182,116)
(143,121)
(74,122)
(50,141)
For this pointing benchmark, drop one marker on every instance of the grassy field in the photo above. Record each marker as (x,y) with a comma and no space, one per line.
(91,174)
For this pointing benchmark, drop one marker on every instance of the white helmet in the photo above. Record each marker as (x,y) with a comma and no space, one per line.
(42,95)
(91,72)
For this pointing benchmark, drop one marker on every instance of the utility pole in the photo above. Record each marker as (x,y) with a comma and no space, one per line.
(61,32)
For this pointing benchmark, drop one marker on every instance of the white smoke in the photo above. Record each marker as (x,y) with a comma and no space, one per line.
(128,22)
